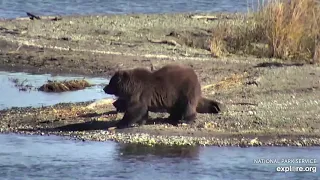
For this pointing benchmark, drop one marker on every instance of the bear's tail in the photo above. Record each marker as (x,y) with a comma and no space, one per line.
(206,105)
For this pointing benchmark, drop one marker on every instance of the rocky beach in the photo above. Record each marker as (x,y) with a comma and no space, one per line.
(270,102)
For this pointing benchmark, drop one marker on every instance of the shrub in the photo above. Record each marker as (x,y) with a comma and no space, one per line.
(286,29)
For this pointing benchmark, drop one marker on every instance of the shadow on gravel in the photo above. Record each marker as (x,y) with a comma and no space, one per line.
(92,124)
(86,126)
(98,125)
(277,64)
(90,115)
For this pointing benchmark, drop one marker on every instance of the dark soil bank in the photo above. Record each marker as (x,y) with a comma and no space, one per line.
(269,102)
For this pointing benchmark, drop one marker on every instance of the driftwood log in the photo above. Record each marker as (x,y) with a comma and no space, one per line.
(32,16)
(165,41)
(207,17)
(71,85)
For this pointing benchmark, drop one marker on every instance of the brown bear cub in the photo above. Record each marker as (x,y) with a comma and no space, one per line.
(173,88)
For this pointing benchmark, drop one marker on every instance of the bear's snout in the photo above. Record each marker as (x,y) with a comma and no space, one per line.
(107,89)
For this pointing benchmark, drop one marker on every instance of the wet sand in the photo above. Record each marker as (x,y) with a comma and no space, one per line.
(270,102)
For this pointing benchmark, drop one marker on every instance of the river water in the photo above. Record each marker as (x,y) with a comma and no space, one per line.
(17,8)
(52,157)
(12,94)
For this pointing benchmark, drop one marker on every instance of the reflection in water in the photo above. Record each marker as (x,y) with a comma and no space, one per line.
(11,96)
(52,157)
(141,152)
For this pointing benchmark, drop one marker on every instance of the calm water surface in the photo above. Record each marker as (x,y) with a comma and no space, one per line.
(17,8)
(12,96)
(51,157)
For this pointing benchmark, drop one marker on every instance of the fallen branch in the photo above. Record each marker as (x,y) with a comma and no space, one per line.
(32,17)
(233,80)
(165,41)
(209,86)
(242,103)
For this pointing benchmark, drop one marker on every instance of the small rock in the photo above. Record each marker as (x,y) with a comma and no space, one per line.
(255,142)
(184,124)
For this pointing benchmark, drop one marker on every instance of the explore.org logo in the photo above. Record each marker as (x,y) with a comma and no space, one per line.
(296,169)
(290,164)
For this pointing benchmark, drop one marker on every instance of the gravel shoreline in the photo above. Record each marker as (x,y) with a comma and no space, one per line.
(152,140)
(268,99)
(81,129)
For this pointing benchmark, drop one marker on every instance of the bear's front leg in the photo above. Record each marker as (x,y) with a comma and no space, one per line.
(135,113)
(120,105)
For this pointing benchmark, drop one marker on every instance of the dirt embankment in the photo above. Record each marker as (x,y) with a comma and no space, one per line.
(273,101)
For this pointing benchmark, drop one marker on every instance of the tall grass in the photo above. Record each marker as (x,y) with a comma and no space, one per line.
(286,29)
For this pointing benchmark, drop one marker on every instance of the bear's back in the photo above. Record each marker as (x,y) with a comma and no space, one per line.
(172,82)
(176,76)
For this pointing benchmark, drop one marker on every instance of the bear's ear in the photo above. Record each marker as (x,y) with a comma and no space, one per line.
(123,75)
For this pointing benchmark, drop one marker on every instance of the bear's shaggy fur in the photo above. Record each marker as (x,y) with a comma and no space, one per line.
(173,88)
(205,105)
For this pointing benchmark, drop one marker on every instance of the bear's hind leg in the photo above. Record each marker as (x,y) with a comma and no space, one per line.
(176,114)
(187,115)
(190,114)
(183,110)
(144,119)
(135,113)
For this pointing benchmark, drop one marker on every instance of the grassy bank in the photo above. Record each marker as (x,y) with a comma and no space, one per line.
(287,30)
(277,28)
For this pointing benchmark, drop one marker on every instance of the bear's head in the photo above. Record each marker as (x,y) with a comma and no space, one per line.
(117,84)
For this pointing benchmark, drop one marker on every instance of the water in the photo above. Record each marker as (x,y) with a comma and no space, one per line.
(11,96)
(17,8)
(51,157)
(44,157)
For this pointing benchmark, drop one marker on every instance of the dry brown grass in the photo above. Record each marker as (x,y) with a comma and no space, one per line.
(230,82)
(278,28)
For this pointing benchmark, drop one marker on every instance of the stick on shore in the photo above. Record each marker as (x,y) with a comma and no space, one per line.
(32,16)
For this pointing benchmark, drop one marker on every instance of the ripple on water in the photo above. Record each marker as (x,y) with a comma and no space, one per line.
(12,9)
(52,157)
